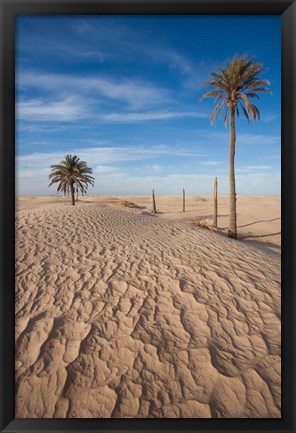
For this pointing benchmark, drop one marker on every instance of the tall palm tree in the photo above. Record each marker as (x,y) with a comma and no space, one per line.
(234,86)
(71,174)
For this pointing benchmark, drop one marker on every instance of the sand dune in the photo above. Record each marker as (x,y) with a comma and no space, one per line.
(124,314)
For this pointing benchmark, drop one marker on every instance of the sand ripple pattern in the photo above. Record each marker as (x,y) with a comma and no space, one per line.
(120,314)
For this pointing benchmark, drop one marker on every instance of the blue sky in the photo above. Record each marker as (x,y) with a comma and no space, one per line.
(122,93)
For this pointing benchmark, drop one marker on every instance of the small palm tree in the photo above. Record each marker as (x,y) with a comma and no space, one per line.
(71,174)
(234,86)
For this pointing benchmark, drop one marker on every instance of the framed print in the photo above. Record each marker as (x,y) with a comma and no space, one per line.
(147,216)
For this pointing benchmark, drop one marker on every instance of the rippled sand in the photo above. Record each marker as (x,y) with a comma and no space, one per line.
(124,314)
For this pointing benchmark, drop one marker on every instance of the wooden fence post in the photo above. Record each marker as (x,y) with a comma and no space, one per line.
(215,202)
(154,204)
(183,200)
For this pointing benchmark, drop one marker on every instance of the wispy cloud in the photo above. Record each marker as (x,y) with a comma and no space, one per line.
(98,156)
(269,117)
(135,93)
(71,109)
(77,53)
(119,182)
(257,139)
(258,167)
(29,127)
(241,139)
(132,113)
(141,117)
(121,40)
(191,73)
(82,26)
(33,169)
(254,168)
(40,110)
(103,169)
(211,163)
(153,167)
(94,98)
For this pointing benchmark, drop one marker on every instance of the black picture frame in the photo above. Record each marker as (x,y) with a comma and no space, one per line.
(9,10)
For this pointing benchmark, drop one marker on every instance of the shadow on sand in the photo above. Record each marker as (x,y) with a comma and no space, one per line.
(257,222)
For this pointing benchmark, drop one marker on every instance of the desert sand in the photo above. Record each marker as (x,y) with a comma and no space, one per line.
(124,313)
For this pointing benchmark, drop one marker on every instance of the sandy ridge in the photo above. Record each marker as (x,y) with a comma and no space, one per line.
(121,314)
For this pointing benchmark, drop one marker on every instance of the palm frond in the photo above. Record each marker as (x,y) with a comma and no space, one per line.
(71,171)
(245,112)
(237,84)
(216,112)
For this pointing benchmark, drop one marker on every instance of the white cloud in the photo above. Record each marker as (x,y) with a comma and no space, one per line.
(33,127)
(96,156)
(194,184)
(210,163)
(191,73)
(259,183)
(32,173)
(102,169)
(88,54)
(41,110)
(175,61)
(119,182)
(82,26)
(259,167)
(70,109)
(135,93)
(141,117)
(32,170)
(269,117)
(153,167)
(241,138)
(258,139)
(123,183)
(253,168)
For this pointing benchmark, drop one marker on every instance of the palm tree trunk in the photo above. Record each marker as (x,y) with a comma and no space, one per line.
(72,194)
(232,228)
